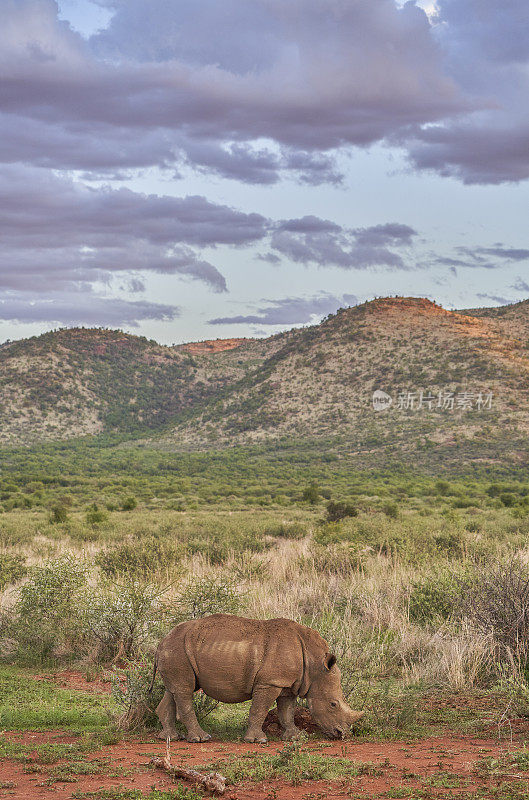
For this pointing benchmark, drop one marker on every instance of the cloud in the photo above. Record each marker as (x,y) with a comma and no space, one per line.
(247,89)
(290,310)
(507,253)
(255,90)
(55,232)
(481,257)
(520,285)
(496,298)
(486,50)
(76,308)
(313,240)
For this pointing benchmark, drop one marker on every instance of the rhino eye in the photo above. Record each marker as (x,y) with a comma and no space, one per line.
(334,703)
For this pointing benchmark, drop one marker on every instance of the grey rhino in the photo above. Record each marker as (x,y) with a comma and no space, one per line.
(234,659)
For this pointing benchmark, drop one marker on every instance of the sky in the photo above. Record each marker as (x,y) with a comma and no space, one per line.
(198,169)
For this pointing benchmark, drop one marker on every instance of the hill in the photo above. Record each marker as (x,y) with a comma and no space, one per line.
(82,381)
(458,384)
(472,371)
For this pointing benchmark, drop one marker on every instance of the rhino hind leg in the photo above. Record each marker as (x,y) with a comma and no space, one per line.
(286,706)
(183,697)
(167,714)
(263,698)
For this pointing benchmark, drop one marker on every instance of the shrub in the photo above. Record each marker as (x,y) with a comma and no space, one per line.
(123,617)
(46,614)
(287,530)
(94,515)
(52,587)
(12,568)
(140,559)
(203,596)
(337,511)
(433,598)
(311,494)
(58,513)
(129,503)
(391,510)
(498,601)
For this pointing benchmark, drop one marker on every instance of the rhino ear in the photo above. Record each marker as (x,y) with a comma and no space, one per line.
(330,660)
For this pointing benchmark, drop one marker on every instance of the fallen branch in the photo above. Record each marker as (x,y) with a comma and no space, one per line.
(213,782)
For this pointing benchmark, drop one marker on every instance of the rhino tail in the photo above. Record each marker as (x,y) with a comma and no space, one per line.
(153,673)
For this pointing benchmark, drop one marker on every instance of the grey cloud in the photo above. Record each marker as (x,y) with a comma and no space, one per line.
(48,210)
(270,258)
(313,240)
(204,82)
(390,234)
(81,308)
(54,231)
(520,285)
(496,298)
(290,310)
(484,257)
(57,235)
(506,253)
(486,47)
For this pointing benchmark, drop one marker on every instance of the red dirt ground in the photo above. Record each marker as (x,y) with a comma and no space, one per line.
(400,765)
(73,679)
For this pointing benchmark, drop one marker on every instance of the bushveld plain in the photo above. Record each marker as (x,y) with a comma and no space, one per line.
(142,485)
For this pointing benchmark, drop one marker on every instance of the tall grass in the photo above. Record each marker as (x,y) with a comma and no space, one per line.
(384,591)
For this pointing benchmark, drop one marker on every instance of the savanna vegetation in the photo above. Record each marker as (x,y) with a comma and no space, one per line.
(418,583)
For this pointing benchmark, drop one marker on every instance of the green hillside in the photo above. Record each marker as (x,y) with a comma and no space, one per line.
(458,383)
(78,382)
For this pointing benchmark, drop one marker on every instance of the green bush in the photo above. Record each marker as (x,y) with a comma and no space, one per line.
(94,515)
(129,503)
(337,510)
(46,617)
(434,597)
(203,596)
(391,510)
(12,568)
(58,513)
(287,530)
(311,494)
(142,559)
(122,618)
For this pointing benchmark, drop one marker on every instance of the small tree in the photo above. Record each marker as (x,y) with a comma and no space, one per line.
(498,602)
(337,511)
(58,513)
(129,503)
(311,494)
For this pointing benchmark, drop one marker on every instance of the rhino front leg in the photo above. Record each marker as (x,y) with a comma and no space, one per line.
(286,706)
(166,711)
(263,698)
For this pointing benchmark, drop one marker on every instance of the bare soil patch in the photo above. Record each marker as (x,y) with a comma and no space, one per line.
(441,767)
(74,679)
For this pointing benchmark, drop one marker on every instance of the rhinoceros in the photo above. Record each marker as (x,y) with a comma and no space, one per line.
(233,659)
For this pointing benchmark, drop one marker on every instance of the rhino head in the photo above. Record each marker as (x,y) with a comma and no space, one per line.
(326,701)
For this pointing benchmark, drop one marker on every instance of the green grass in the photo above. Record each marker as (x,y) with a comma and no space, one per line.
(28,704)
(180,792)
(292,763)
